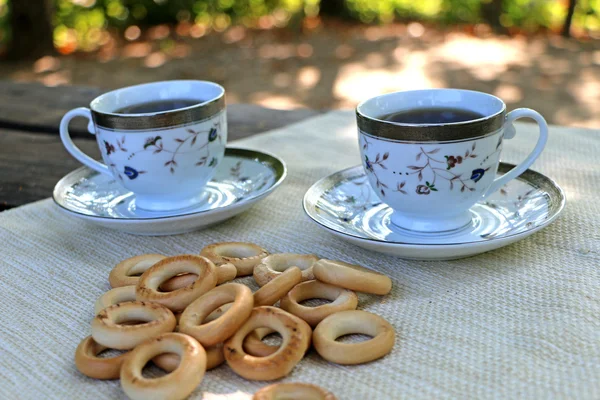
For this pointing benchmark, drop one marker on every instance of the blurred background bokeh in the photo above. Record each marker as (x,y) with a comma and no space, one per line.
(543,54)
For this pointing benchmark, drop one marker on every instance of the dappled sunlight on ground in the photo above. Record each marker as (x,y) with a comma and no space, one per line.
(482,53)
(341,64)
(279,102)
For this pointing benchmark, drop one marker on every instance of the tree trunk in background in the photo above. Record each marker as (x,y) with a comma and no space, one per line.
(567,26)
(490,12)
(31,26)
(332,7)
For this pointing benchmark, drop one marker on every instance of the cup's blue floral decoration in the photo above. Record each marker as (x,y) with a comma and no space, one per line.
(132,173)
(432,166)
(477,174)
(212,134)
(192,143)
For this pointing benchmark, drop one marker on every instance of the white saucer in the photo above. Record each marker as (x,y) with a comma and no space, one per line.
(345,205)
(243,178)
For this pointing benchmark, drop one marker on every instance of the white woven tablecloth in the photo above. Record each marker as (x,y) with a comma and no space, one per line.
(519,322)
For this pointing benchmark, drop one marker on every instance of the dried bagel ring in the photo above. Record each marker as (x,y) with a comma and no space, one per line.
(349,322)
(254,345)
(177,300)
(293,391)
(170,361)
(123,274)
(178,282)
(126,273)
(274,265)
(222,309)
(270,293)
(114,296)
(295,335)
(225,273)
(176,385)
(244,256)
(89,364)
(217,313)
(108,328)
(342,300)
(353,277)
(217,331)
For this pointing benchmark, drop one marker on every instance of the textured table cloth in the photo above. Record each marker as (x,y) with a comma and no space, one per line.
(519,322)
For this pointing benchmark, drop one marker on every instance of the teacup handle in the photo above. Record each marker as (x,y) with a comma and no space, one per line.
(72,148)
(509,133)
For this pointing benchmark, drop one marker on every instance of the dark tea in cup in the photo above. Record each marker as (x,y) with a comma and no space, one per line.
(432,115)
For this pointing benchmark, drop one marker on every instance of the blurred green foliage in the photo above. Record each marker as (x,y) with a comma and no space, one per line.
(82,24)
(528,15)
(85,18)
(4,27)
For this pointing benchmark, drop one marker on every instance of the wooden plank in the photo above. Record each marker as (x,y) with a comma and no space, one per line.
(37,108)
(32,106)
(32,163)
(244,120)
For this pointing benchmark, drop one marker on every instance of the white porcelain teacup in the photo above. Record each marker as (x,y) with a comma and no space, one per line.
(165,157)
(430,174)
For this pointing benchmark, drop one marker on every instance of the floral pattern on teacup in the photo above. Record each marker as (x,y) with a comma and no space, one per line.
(430,169)
(195,141)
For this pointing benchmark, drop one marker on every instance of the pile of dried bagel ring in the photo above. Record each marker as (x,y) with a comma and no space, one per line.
(180,313)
